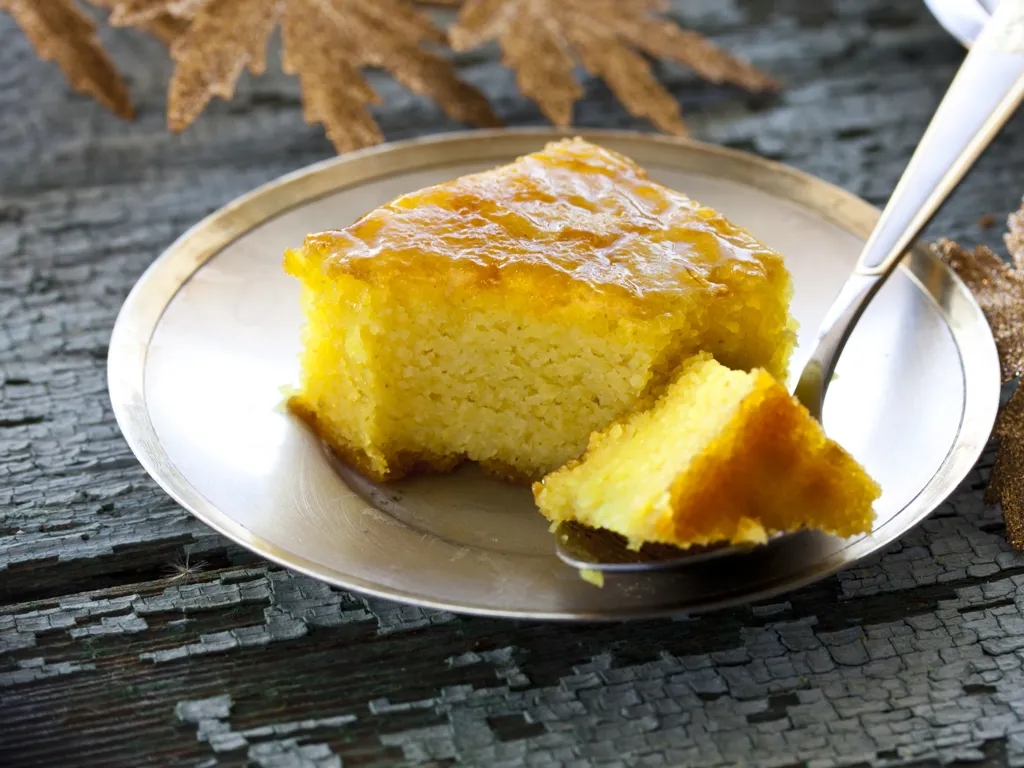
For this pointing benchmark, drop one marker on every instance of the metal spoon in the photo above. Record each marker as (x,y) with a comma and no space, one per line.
(987,89)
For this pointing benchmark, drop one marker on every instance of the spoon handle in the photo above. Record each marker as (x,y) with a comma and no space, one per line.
(985,92)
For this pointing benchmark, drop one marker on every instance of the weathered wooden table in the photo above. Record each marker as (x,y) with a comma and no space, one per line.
(130,634)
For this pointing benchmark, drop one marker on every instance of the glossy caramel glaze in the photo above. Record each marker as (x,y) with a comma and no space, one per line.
(574,209)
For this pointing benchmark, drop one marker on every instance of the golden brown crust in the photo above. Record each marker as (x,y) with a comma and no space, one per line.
(510,474)
(772,444)
(344,451)
(401,464)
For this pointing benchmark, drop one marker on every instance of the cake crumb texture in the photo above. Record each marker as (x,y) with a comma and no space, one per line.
(504,316)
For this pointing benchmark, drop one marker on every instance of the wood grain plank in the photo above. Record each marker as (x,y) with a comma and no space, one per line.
(913,655)
(248,662)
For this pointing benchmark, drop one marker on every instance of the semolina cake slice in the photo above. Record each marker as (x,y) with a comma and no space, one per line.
(505,315)
(723,456)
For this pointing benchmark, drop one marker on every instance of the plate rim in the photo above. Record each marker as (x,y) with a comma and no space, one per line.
(139,317)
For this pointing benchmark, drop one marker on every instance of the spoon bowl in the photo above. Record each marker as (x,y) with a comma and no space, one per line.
(986,91)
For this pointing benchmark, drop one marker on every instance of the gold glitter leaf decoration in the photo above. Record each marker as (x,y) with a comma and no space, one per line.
(542,40)
(327,43)
(311,52)
(163,25)
(166,20)
(60,32)
(1006,481)
(1014,239)
(999,290)
(132,13)
(225,37)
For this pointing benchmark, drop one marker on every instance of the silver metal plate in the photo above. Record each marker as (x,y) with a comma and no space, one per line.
(210,335)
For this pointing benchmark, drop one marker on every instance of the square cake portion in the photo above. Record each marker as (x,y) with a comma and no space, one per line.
(504,316)
(723,456)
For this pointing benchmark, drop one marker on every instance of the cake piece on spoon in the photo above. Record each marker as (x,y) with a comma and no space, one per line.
(723,456)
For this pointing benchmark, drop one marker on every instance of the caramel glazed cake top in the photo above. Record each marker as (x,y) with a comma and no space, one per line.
(574,212)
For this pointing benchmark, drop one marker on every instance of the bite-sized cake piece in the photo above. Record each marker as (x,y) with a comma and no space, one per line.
(504,316)
(723,456)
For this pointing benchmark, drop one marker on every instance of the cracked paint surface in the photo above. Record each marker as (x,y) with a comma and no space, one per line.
(270,746)
(941,683)
(130,632)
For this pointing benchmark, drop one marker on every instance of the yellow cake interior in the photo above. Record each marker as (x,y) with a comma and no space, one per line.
(504,316)
(723,455)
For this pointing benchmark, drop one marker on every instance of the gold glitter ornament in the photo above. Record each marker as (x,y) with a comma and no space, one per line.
(327,44)
(61,32)
(999,289)
(1014,238)
(542,40)
(225,37)
(1006,481)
